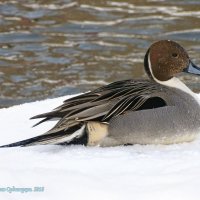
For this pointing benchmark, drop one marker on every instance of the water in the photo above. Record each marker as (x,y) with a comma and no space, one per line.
(53,48)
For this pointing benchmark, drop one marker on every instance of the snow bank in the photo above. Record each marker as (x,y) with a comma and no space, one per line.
(76,172)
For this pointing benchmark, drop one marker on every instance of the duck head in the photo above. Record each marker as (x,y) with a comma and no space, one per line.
(164,59)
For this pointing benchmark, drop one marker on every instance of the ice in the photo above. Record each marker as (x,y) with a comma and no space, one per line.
(137,172)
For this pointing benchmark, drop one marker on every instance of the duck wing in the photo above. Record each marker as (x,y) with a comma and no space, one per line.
(104,103)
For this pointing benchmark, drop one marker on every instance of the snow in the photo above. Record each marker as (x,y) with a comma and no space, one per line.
(76,172)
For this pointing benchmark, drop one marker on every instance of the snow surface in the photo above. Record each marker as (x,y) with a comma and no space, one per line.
(76,172)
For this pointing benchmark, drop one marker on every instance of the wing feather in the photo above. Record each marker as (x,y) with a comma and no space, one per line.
(103,103)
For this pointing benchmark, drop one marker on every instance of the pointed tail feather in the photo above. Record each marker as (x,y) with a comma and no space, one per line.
(59,138)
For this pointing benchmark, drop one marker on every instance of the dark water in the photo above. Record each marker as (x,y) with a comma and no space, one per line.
(54,48)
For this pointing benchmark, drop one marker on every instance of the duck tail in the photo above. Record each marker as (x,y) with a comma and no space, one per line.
(60,138)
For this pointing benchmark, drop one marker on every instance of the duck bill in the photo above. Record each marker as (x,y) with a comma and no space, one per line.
(192,69)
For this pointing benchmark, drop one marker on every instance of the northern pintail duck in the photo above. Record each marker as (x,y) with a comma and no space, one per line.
(162,110)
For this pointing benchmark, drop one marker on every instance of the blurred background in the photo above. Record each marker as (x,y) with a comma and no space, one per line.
(59,47)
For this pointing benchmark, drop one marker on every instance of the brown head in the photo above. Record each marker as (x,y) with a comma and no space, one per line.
(164,59)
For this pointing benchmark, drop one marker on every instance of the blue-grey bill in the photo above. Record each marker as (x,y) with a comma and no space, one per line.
(192,69)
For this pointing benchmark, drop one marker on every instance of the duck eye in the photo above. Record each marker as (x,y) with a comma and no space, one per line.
(175,55)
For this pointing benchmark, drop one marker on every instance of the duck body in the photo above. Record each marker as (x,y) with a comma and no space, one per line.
(162,110)
(175,122)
